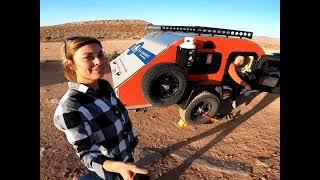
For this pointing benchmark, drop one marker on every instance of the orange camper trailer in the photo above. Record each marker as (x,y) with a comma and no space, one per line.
(186,65)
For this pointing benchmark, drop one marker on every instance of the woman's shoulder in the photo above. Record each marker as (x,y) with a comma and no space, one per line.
(70,100)
(105,84)
(67,111)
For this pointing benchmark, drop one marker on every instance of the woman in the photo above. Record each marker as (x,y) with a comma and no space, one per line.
(235,81)
(93,119)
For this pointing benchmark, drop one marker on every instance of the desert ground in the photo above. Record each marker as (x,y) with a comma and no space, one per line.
(247,147)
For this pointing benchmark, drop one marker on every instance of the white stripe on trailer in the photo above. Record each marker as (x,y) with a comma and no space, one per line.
(128,63)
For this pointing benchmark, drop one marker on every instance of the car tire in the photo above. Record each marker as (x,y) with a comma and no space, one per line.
(204,102)
(164,84)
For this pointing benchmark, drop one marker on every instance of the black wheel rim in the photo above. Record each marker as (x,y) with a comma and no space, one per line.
(165,86)
(200,109)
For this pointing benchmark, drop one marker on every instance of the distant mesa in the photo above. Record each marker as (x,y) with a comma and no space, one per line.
(116,29)
(101,29)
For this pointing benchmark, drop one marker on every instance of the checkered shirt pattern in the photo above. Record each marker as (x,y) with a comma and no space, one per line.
(97,125)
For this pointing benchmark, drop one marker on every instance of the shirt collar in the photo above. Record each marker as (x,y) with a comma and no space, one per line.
(84,89)
(78,87)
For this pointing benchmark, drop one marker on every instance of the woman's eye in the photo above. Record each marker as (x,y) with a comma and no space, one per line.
(100,55)
(88,58)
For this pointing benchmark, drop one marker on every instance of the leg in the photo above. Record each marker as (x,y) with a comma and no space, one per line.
(235,93)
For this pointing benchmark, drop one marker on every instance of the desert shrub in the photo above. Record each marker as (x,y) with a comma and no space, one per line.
(48,38)
(110,56)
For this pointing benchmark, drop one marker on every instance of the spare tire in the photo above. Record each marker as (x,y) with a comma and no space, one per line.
(164,84)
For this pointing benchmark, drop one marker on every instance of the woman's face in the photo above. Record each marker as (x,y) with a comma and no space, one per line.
(89,63)
(239,60)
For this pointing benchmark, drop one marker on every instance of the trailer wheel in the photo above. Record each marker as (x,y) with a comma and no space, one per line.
(164,84)
(204,103)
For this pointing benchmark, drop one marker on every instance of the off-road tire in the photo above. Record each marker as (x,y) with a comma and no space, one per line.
(155,82)
(201,99)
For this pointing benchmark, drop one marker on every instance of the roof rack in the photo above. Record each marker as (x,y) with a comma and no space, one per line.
(203,30)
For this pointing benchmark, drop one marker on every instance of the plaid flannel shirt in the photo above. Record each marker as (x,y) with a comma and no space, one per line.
(97,125)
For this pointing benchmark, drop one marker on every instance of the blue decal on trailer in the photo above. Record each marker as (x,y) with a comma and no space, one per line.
(144,55)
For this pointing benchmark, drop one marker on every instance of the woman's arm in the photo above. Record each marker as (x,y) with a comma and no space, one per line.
(79,135)
(127,170)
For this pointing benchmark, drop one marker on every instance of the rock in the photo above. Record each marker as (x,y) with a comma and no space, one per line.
(151,117)
(229,156)
(275,154)
(66,174)
(68,169)
(77,170)
(54,100)
(260,163)
(269,169)
(48,147)
(43,90)
(42,152)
